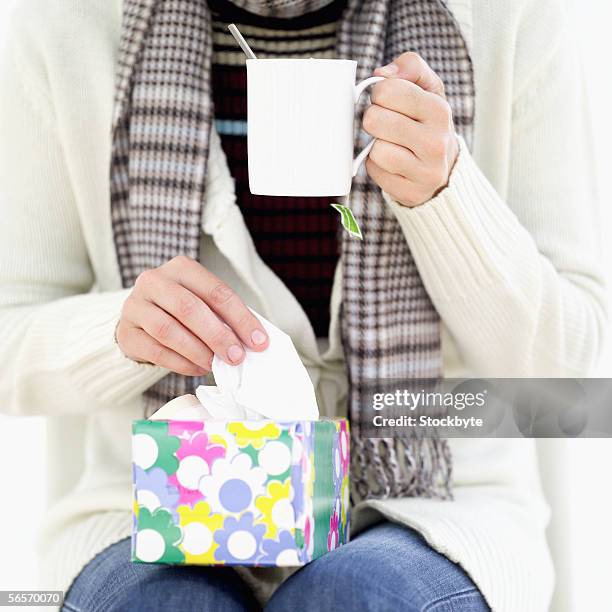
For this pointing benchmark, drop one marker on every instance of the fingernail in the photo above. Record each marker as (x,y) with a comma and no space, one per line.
(235,353)
(389,69)
(258,337)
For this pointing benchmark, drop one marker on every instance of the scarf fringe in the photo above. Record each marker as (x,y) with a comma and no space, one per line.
(400,467)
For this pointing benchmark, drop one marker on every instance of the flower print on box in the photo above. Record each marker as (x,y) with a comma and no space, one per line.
(154,491)
(345,502)
(297,488)
(281,552)
(277,511)
(337,466)
(199,525)
(153,446)
(255,433)
(157,538)
(239,540)
(238,493)
(233,485)
(196,455)
(275,457)
(341,457)
(333,539)
(344,445)
(302,484)
(184,430)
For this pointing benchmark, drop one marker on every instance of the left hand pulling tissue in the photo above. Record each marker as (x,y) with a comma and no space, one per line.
(272,384)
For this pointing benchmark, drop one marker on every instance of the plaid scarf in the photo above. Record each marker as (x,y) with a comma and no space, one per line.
(161,126)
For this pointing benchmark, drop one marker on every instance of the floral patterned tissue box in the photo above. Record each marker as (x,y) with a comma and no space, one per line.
(256,493)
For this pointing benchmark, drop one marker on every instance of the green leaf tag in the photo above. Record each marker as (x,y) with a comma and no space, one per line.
(348,220)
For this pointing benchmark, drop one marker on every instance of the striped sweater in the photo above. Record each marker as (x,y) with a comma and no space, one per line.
(295,236)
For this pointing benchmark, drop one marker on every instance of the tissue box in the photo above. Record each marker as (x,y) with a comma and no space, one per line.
(256,493)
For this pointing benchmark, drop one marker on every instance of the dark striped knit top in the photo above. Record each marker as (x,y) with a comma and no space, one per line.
(296,237)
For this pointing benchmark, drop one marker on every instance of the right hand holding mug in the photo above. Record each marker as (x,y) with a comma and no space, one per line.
(416,146)
(180,314)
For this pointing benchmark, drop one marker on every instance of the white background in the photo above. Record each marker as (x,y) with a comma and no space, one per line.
(589,462)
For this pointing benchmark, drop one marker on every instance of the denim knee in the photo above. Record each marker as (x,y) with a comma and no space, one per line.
(387,568)
(112,583)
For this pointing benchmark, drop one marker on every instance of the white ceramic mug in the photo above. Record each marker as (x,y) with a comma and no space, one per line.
(300,126)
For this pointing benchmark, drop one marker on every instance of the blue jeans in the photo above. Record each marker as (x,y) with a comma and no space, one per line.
(387,568)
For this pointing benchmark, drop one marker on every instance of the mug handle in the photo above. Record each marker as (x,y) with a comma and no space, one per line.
(359,89)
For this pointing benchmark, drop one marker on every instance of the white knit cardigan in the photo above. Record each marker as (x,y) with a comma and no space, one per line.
(509,253)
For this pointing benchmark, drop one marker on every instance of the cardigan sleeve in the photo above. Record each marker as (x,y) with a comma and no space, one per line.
(518,281)
(57,348)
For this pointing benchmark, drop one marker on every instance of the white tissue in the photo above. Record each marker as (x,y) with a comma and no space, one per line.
(183,408)
(271,384)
